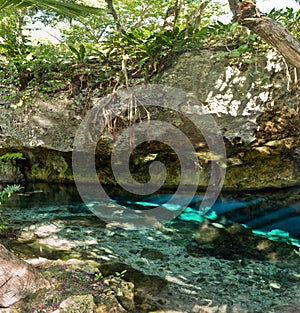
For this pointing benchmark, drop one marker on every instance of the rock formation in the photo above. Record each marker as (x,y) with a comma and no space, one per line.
(254,103)
(17,278)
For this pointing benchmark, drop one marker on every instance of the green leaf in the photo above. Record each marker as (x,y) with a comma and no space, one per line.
(235,53)
(223,54)
(243,48)
(166,39)
(73,49)
(253,37)
(234,26)
(12,156)
(8,191)
(249,61)
(61,7)
(264,80)
(81,53)
(142,62)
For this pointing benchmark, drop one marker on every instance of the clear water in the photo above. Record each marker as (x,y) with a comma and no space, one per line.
(194,272)
(272,213)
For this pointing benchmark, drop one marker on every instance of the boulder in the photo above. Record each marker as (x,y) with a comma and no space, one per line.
(78,304)
(117,297)
(18,279)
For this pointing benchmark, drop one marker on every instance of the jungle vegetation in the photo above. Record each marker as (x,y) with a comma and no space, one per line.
(114,43)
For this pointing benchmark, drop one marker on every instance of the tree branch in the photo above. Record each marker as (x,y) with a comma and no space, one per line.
(248,15)
(194,18)
(171,16)
(113,12)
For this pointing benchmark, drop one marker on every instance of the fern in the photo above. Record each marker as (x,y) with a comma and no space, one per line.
(12,156)
(8,191)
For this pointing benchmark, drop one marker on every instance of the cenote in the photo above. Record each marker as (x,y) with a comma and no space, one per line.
(272,213)
(193,262)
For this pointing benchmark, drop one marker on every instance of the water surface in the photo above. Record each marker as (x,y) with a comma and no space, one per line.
(273,212)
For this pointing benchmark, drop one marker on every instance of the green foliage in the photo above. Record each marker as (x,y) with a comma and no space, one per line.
(13,40)
(146,51)
(12,156)
(98,276)
(120,275)
(80,53)
(288,18)
(66,8)
(23,66)
(109,59)
(265,79)
(8,191)
(44,69)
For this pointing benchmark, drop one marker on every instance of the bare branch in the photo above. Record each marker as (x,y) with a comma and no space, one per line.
(171,16)
(113,12)
(194,19)
(247,14)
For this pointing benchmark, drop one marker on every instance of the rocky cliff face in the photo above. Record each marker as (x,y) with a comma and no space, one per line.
(255,104)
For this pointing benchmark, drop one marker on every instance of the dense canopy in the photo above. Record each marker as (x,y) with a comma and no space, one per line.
(116,41)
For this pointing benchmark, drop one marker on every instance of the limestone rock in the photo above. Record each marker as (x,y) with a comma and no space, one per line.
(152,254)
(9,310)
(125,294)
(18,279)
(110,305)
(45,230)
(9,172)
(259,123)
(78,304)
(117,297)
(47,123)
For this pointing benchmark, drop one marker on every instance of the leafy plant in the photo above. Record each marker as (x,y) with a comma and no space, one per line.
(12,156)
(61,7)
(98,276)
(120,275)
(8,191)
(289,18)
(79,53)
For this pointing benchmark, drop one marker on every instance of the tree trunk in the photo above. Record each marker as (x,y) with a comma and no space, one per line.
(194,19)
(113,12)
(247,14)
(171,16)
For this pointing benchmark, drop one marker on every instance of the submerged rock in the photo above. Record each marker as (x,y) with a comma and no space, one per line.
(152,254)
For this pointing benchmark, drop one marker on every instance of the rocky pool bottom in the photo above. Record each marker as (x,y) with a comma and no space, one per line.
(184,266)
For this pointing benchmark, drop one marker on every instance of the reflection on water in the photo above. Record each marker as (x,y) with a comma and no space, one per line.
(263,211)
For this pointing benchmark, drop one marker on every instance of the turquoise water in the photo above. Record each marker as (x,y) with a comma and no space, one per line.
(231,270)
(271,213)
